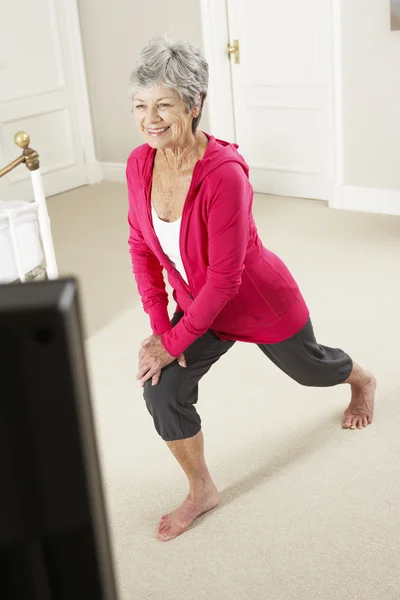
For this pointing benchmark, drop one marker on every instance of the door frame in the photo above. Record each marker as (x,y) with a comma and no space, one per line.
(93,169)
(215,30)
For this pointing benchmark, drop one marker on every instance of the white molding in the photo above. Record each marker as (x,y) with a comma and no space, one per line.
(38,113)
(113,172)
(35,92)
(282,106)
(214,20)
(286,84)
(61,83)
(81,91)
(386,202)
(94,172)
(56,34)
(288,168)
(337,199)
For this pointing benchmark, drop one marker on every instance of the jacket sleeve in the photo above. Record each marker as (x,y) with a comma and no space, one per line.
(148,272)
(228,228)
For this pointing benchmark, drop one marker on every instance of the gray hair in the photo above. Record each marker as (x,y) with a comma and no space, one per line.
(180,66)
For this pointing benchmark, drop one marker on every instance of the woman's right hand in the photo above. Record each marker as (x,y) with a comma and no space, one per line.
(156,378)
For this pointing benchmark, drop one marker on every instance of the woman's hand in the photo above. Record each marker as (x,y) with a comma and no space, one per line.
(153,357)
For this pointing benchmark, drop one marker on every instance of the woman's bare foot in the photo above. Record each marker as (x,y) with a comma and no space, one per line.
(179,520)
(361,408)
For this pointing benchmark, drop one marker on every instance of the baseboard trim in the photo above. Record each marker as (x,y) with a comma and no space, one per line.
(386,202)
(113,172)
(94,172)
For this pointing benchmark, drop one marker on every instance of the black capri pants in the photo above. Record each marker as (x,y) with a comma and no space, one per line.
(171,402)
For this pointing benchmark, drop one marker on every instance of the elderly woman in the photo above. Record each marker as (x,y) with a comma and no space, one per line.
(190,214)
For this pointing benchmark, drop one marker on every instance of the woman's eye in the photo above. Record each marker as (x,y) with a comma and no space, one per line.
(164,105)
(140,106)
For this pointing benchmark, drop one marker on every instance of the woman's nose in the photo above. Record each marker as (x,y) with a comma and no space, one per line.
(151,116)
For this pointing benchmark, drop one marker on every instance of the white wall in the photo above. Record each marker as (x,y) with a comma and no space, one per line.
(371,95)
(113,34)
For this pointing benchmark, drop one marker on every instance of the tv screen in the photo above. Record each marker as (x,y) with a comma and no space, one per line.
(54,536)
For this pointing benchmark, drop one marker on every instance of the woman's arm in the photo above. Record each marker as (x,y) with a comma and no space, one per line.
(227,227)
(148,274)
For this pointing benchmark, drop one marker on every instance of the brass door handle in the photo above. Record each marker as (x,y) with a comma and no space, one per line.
(234,49)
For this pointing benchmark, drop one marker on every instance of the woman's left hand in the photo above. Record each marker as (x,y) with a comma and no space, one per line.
(152,358)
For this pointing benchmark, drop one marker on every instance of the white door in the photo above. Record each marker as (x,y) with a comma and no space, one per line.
(283,94)
(43,92)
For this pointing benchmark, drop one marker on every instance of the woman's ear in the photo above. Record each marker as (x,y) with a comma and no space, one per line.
(197,109)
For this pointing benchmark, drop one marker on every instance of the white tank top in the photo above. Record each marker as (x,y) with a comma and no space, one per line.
(168,236)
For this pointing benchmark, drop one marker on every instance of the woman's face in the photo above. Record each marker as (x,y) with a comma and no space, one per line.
(163,118)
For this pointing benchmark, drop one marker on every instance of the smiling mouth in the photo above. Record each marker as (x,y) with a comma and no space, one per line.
(157,132)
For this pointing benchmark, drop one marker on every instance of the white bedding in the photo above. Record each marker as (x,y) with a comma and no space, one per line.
(27,229)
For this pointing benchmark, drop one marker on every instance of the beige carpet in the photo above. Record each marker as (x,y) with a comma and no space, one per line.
(309,511)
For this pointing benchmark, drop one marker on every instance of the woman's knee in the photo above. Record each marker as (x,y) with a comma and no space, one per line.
(165,394)
(174,419)
(162,417)
(153,396)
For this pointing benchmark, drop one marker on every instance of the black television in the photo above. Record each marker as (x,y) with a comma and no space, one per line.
(54,534)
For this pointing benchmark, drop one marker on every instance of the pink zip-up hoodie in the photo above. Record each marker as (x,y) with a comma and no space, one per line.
(237,288)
